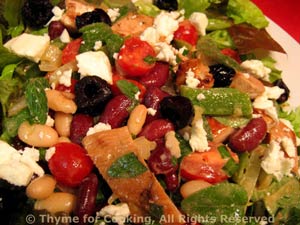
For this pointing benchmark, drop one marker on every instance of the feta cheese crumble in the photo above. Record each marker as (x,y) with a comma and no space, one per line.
(18,167)
(97,128)
(190,80)
(65,37)
(265,101)
(274,162)
(118,213)
(256,68)
(151,111)
(29,46)
(94,63)
(200,21)
(198,139)
(113,14)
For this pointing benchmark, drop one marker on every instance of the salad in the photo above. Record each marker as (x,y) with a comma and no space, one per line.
(144,112)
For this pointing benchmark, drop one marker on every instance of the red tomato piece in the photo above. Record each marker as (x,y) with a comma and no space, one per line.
(70,164)
(70,51)
(232,53)
(206,166)
(132,57)
(186,32)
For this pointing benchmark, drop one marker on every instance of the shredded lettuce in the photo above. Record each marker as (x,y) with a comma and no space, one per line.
(7,57)
(271,63)
(294,117)
(244,11)
(208,47)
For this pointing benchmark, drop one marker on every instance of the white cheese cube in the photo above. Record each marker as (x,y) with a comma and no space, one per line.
(200,21)
(94,63)
(29,46)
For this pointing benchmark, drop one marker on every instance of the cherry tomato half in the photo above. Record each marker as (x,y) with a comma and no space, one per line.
(206,166)
(70,51)
(132,59)
(70,164)
(186,32)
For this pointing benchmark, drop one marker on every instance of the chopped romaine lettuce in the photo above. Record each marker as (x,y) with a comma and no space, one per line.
(294,117)
(270,63)
(245,11)
(7,58)
(11,11)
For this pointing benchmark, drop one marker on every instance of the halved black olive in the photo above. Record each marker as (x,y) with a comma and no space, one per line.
(178,109)
(91,95)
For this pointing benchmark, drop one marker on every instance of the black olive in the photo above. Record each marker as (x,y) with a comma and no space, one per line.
(95,16)
(37,13)
(169,5)
(178,109)
(13,198)
(91,95)
(222,75)
(285,95)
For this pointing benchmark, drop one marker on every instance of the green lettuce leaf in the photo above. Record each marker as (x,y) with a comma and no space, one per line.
(213,204)
(11,124)
(271,63)
(11,11)
(7,57)
(222,39)
(244,11)
(294,117)
(208,47)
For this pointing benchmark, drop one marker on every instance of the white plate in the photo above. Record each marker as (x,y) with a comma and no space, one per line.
(289,63)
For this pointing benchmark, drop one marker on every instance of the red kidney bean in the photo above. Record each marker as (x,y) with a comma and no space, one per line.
(172,181)
(55,29)
(153,96)
(79,126)
(116,111)
(156,129)
(157,76)
(160,161)
(86,198)
(250,136)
